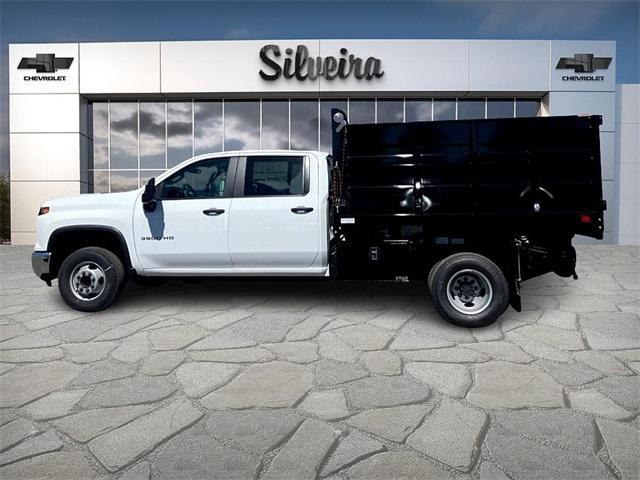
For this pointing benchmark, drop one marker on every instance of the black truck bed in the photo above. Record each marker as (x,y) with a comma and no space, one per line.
(422,186)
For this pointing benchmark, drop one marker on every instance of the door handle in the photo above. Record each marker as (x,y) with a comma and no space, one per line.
(213,212)
(302,210)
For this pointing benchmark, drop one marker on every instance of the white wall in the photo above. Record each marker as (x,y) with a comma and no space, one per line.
(120,68)
(44,136)
(628,163)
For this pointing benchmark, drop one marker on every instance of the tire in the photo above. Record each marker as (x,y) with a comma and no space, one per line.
(483,291)
(97,276)
(432,272)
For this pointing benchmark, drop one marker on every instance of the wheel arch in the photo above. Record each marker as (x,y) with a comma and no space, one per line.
(65,240)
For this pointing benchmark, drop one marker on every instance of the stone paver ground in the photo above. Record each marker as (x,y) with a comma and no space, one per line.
(257,379)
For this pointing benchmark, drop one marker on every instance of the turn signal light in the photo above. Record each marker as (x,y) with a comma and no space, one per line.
(585,218)
(43,211)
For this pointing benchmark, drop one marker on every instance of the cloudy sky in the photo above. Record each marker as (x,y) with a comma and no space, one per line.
(28,21)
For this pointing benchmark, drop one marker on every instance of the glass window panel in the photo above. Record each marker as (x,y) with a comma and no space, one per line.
(304,124)
(123,181)
(500,108)
(205,179)
(100,181)
(418,110)
(241,125)
(100,135)
(145,175)
(325,121)
(275,124)
(362,111)
(208,127)
(124,135)
(527,108)
(470,109)
(390,111)
(274,176)
(179,132)
(444,109)
(152,135)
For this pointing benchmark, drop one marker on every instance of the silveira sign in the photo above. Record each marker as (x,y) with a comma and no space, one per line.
(301,66)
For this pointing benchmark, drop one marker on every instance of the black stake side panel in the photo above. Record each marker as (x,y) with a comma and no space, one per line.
(465,184)
(490,168)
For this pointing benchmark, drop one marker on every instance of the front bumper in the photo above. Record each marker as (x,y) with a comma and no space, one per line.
(41,262)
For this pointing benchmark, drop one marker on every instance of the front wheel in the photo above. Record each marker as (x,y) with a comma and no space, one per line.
(469,290)
(89,279)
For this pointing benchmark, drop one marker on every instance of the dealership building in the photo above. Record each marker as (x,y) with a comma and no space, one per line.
(105,117)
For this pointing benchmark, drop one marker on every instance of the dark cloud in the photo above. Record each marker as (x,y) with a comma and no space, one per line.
(151,123)
(179,128)
(126,124)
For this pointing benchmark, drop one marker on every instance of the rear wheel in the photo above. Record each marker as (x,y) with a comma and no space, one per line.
(90,279)
(432,273)
(469,290)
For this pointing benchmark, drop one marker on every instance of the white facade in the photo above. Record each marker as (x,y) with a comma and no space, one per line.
(51,133)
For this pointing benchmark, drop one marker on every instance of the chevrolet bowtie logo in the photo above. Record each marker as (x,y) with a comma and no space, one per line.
(45,63)
(584,63)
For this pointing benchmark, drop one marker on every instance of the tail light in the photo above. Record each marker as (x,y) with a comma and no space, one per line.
(43,211)
(585,218)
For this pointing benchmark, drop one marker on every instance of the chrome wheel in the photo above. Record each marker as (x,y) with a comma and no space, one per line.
(469,291)
(87,281)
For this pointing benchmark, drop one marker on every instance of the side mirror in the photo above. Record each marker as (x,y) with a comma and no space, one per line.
(149,196)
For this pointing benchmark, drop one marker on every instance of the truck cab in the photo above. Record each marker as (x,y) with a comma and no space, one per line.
(236,213)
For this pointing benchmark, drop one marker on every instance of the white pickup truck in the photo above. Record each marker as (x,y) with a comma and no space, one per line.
(234,213)
(471,207)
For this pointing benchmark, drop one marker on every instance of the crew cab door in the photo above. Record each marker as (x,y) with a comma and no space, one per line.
(189,227)
(275,214)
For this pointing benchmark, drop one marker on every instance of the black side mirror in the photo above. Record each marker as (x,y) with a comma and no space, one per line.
(149,196)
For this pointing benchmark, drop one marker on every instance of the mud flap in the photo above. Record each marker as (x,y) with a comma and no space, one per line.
(514,296)
(514,292)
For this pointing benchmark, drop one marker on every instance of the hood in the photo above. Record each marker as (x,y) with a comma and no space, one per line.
(89,201)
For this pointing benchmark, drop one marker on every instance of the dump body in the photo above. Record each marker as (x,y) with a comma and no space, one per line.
(406,194)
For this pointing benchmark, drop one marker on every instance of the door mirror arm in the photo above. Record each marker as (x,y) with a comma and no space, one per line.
(149,196)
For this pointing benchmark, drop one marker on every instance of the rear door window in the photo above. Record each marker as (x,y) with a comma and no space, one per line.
(274,176)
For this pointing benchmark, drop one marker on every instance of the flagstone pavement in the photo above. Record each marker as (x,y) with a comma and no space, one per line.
(278,379)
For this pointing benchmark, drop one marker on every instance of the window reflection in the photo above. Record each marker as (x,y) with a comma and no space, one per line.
(204,179)
(444,109)
(132,139)
(304,124)
(362,111)
(470,109)
(241,125)
(418,110)
(99,180)
(145,175)
(123,181)
(274,176)
(527,108)
(325,121)
(390,111)
(124,135)
(101,135)
(275,124)
(500,108)
(152,135)
(208,128)
(179,132)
